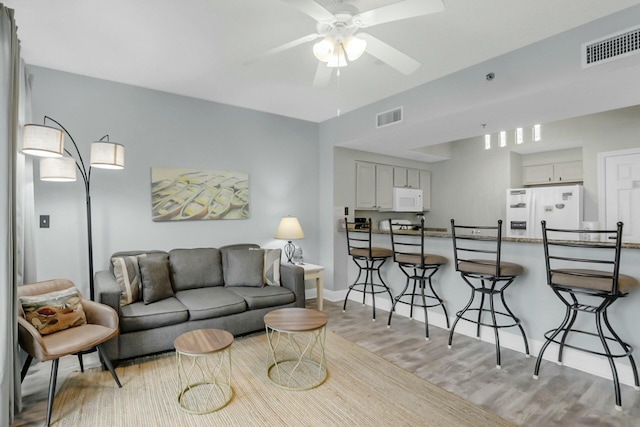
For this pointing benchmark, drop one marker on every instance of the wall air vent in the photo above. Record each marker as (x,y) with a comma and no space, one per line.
(390,117)
(613,46)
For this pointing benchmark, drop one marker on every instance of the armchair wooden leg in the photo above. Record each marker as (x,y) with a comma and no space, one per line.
(107,363)
(52,390)
(25,367)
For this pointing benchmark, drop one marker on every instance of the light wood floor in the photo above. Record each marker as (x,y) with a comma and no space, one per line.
(561,397)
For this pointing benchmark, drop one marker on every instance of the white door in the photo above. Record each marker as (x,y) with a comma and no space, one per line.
(622,192)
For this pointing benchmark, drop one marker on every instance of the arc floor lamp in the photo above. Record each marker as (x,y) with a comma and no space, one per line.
(48,143)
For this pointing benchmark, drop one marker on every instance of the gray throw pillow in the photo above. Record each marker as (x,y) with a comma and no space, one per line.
(244,268)
(156,278)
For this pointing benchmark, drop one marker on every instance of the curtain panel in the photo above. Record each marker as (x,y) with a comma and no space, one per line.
(16,209)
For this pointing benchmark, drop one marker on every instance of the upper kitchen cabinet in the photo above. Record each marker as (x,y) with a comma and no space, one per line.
(555,173)
(425,186)
(406,177)
(374,186)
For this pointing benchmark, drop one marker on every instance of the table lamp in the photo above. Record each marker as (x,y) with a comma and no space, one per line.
(289,229)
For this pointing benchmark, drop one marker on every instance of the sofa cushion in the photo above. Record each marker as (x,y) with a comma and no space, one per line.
(126,270)
(225,249)
(195,268)
(205,303)
(140,316)
(267,296)
(156,278)
(244,268)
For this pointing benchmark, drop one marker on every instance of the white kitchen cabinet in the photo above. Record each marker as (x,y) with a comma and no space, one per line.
(553,173)
(568,171)
(365,185)
(413,178)
(384,187)
(374,186)
(425,186)
(406,177)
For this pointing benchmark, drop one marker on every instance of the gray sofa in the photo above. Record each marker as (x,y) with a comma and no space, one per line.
(209,288)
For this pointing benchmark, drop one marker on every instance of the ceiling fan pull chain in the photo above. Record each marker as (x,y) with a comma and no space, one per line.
(339,91)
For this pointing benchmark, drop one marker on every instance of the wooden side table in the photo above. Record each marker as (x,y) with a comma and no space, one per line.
(203,360)
(296,358)
(312,271)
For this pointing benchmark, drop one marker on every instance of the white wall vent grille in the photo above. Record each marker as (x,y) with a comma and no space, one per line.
(613,46)
(390,117)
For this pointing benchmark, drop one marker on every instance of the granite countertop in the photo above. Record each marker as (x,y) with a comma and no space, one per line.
(444,232)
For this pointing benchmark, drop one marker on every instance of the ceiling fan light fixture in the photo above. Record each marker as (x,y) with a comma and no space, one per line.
(323,50)
(337,58)
(354,47)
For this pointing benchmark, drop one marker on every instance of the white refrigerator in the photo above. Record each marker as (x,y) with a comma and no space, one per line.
(560,206)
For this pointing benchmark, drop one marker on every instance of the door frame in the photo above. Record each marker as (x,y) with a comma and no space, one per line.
(602,185)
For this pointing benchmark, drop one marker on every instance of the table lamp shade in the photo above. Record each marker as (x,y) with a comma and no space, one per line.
(289,229)
(42,141)
(107,155)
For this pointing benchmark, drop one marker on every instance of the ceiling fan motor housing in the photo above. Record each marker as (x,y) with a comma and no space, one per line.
(339,30)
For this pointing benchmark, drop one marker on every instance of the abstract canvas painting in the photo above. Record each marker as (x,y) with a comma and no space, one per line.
(179,194)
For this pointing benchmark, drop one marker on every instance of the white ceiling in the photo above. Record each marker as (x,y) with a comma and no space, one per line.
(211,49)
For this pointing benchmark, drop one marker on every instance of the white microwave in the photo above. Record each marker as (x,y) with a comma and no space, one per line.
(407,199)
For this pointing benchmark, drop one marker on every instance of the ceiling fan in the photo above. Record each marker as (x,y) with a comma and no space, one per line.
(340,44)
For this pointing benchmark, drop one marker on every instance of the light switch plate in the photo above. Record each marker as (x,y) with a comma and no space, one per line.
(44,221)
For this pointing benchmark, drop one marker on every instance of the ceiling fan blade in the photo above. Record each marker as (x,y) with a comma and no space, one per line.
(397,11)
(313,9)
(293,43)
(323,75)
(389,55)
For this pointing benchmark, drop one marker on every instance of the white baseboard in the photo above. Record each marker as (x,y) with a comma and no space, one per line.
(574,359)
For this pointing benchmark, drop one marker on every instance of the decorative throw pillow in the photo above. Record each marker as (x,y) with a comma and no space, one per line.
(244,268)
(156,278)
(127,273)
(54,311)
(271,272)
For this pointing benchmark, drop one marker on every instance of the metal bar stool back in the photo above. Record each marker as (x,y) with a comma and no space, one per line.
(585,276)
(477,256)
(369,260)
(418,267)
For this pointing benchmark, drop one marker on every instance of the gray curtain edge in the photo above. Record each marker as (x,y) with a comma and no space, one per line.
(16,250)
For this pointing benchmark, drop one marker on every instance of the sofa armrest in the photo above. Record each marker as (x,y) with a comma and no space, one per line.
(107,290)
(108,293)
(292,277)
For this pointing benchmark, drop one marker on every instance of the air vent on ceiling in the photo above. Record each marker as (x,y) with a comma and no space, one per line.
(613,46)
(390,117)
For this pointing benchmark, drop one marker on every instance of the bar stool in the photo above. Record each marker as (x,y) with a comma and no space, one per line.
(369,260)
(419,267)
(493,274)
(585,290)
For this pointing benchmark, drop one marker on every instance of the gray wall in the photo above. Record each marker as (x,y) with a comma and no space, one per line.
(163,130)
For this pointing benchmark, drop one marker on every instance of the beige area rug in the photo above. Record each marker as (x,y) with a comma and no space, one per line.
(362,389)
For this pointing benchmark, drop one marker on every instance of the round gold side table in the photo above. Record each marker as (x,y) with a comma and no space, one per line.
(296,359)
(203,360)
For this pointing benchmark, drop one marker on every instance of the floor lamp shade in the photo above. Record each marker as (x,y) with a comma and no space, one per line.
(62,169)
(42,141)
(289,229)
(107,155)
